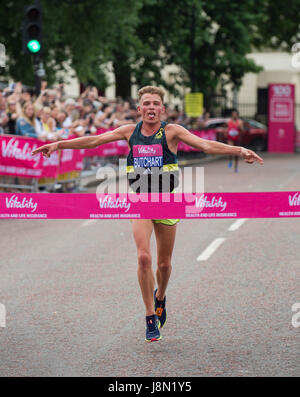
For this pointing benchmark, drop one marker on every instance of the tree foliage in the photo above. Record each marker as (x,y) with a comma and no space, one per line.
(81,33)
(207,39)
(212,55)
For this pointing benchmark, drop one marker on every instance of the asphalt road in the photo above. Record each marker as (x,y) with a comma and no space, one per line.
(74,307)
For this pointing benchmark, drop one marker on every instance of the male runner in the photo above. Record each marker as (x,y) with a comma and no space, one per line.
(153,145)
(234,129)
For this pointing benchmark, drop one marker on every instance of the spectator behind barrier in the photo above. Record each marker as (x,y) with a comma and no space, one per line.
(72,120)
(60,118)
(48,124)
(11,111)
(56,117)
(88,115)
(3,115)
(27,124)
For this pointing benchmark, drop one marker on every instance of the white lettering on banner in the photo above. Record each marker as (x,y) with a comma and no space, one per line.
(67,155)
(11,150)
(2,316)
(53,160)
(110,152)
(20,171)
(110,203)
(203,202)
(294,200)
(14,202)
(282,90)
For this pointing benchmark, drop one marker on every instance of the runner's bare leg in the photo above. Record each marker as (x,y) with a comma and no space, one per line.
(236,161)
(231,143)
(142,230)
(165,239)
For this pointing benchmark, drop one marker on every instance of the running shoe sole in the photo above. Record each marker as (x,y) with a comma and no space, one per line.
(153,339)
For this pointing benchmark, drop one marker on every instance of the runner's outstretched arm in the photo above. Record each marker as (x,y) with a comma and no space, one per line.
(213,147)
(85,142)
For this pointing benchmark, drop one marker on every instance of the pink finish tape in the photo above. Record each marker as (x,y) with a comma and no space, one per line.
(147,206)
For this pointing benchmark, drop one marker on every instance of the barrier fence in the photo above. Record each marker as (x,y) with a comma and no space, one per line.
(150,206)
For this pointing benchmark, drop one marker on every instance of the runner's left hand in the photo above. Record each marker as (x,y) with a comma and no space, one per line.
(249,156)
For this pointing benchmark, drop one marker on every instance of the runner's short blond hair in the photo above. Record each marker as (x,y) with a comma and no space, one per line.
(150,89)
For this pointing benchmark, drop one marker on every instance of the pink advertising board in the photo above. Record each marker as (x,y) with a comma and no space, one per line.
(281,119)
(16,158)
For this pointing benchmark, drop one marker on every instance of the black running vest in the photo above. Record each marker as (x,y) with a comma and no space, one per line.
(151,166)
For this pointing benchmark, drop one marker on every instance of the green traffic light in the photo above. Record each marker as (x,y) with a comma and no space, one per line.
(33,46)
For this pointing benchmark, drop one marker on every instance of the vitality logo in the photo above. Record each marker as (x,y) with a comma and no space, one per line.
(294,200)
(14,202)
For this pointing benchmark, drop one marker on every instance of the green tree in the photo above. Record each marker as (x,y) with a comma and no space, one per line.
(214,52)
(84,34)
(208,40)
(279,24)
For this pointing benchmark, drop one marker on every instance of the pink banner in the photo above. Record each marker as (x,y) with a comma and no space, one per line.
(145,206)
(118,148)
(281,119)
(204,134)
(71,160)
(16,159)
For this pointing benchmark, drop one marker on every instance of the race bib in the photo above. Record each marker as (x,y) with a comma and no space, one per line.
(233,132)
(147,156)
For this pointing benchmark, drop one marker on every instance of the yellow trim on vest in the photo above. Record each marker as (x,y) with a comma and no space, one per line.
(159,134)
(166,168)
(170,167)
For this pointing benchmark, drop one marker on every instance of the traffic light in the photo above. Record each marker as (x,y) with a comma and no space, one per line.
(32,30)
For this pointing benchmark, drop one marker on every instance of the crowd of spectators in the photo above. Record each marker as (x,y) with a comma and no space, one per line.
(53,116)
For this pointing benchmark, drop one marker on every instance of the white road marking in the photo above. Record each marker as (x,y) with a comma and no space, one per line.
(88,222)
(2,316)
(210,249)
(236,224)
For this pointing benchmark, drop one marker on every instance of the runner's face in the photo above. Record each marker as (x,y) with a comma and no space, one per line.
(151,108)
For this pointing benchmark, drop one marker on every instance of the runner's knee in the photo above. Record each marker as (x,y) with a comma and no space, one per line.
(144,260)
(164,265)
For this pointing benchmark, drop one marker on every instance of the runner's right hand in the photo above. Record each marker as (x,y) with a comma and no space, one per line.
(46,150)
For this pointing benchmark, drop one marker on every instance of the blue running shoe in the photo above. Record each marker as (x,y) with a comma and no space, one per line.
(160,309)
(230,164)
(152,331)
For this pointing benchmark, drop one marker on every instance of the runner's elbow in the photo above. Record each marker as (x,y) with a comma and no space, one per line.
(207,148)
